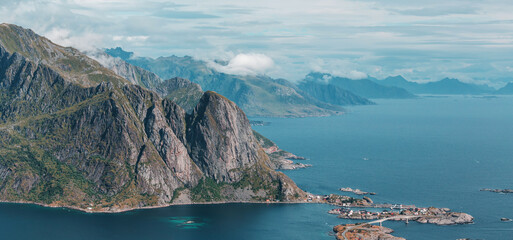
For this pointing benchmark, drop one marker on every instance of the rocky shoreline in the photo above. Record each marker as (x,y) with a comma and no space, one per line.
(92,210)
(437,216)
(310,198)
(356,191)
(357,209)
(497,190)
(280,159)
(283,160)
(363,231)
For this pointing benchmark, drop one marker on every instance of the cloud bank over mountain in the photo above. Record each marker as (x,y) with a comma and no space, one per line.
(246,64)
(469,40)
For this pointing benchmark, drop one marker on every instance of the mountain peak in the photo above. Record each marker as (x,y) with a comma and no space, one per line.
(213,95)
(70,63)
(398,77)
(119,52)
(450,80)
(318,76)
(23,41)
(221,139)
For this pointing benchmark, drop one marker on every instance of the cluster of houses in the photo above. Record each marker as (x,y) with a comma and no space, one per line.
(312,198)
(414,211)
(332,199)
(364,214)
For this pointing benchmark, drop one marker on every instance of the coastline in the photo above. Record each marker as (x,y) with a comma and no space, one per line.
(147,207)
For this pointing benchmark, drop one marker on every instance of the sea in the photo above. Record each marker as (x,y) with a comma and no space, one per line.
(429,151)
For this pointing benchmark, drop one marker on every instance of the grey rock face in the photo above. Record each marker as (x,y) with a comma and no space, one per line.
(452,219)
(114,138)
(156,125)
(220,138)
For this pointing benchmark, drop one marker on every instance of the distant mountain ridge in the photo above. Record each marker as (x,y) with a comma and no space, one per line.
(332,94)
(506,90)
(256,95)
(182,91)
(364,87)
(444,86)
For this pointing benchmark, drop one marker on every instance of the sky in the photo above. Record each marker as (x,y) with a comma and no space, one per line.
(422,40)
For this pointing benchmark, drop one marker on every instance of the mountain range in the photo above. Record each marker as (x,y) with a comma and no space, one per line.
(508,89)
(74,133)
(444,86)
(332,94)
(318,94)
(182,91)
(364,87)
(258,95)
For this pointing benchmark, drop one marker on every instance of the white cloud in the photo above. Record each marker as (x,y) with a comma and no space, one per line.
(104,59)
(377,37)
(118,38)
(326,78)
(130,38)
(339,68)
(357,75)
(246,64)
(85,42)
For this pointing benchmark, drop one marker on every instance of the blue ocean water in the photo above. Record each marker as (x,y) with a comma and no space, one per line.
(431,151)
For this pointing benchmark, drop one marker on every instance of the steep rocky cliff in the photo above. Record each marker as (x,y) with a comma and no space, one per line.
(220,138)
(179,90)
(79,135)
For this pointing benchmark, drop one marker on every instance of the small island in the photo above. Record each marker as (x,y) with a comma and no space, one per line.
(356,191)
(432,215)
(497,190)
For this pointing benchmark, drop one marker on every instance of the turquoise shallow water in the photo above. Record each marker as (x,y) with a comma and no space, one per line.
(427,152)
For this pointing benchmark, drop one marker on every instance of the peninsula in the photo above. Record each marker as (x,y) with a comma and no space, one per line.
(363,231)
